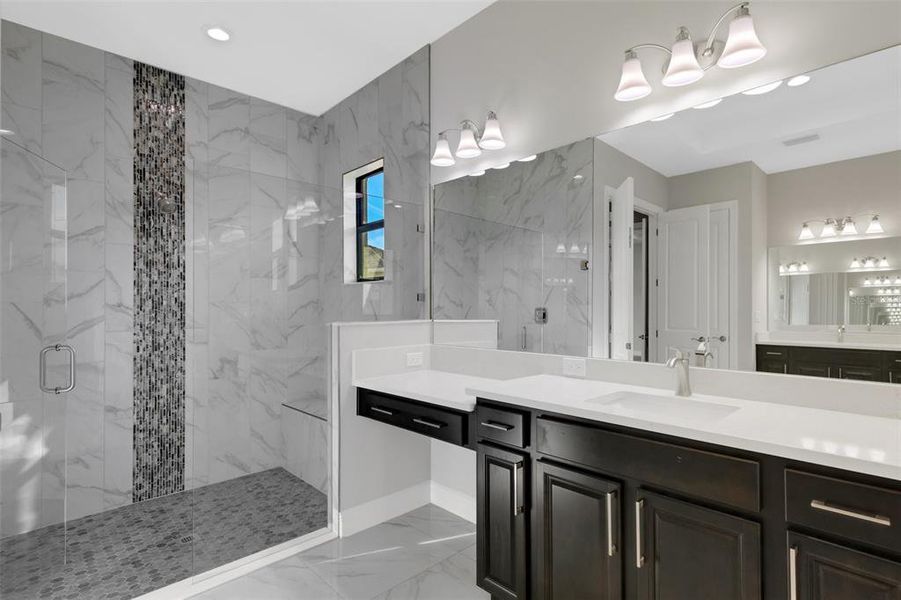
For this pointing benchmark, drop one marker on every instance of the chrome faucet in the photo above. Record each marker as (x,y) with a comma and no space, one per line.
(682,361)
(841,332)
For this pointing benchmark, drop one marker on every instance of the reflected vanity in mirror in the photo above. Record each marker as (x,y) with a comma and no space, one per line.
(756,231)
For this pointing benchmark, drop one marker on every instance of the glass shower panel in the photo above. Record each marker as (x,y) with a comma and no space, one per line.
(36,368)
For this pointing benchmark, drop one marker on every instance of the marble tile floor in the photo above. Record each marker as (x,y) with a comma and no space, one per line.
(135,549)
(426,554)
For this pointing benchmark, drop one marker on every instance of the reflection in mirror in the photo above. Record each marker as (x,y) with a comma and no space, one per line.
(764,218)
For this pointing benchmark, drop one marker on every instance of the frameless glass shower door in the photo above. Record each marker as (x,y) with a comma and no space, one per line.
(37,369)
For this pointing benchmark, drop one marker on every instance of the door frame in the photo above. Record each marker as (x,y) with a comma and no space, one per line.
(652,211)
(732,207)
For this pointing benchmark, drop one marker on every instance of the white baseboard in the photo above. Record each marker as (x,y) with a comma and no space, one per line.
(210,579)
(370,514)
(455,501)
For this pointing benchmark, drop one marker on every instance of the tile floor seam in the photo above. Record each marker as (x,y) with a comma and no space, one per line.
(419,574)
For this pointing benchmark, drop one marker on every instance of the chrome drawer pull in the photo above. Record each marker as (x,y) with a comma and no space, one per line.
(793,573)
(498,426)
(774,354)
(611,548)
(639,557)
(427,423)
(383,411)
(869,518)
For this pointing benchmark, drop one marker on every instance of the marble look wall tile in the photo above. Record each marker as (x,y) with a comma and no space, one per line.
(197,413)
(73,107)
(85,300)
(196,119)
(119,184)
(118,422)
(268,138)
(307,444)
(119,288)
(84,443)
(86,213)
(302,146)
(229,128)
(119,109)
(21,88)
(267,390)
(22,466)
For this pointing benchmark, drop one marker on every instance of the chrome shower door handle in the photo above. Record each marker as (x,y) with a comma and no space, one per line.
(42,368)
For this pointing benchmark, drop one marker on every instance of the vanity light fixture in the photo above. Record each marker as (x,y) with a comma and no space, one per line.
(828,229)
(855,264)
(848,226)
(804,268)
(471,143)
(742,47)
(875,226)
(798,80)
(883,264)
(662,117)
(806,233)
(710,104)
(218,33)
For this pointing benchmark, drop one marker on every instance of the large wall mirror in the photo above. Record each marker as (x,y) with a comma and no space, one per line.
(771,216)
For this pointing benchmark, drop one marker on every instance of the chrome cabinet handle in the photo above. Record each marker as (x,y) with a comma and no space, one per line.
(639,557)
(383,411)
(854,514)
(793,573)
(517,507)
(428,423)
(498,426)
(828,371)
(42,368)
(840,373)
(611,548)
(774,353)
(785,368)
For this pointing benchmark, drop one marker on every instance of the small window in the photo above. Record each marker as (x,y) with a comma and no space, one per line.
(370,232)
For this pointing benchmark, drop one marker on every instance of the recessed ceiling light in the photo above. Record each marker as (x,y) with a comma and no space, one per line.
(763,89)
(218,34)
(798,80)
(528,158)
(710,104)
(663,117)
(477,173)
(501,166)
(578,177)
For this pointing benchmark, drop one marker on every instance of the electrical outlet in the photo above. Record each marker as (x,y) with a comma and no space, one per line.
(414,359)
(574,367)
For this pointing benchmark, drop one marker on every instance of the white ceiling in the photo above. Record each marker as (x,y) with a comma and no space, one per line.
(307,55)
(854,107)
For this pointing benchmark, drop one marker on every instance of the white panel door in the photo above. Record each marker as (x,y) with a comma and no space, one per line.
(683,257)
(622,206)
(719,330)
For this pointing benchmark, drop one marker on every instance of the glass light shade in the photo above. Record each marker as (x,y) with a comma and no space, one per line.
(782,268)
(492,139)
(875,226)
(849,228)
(869,263)
(804,268)
(683,68)
(855,264)
(806,232)
(442,156)
(793,267)
(633,85)
(828,229)
(468,148)
(742,45)
(883,263)
(798,80)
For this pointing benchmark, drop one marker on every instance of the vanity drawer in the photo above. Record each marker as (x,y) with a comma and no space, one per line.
(504,426)
(718,477)
(864,513)
(772,352)
(433,421)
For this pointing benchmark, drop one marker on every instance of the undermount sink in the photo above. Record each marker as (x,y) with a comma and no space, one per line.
(647,404)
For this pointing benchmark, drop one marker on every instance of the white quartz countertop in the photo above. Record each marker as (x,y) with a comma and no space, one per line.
(426,385)
(855,442)
(855,345)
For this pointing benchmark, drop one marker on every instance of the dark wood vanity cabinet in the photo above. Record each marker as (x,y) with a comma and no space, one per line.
(837,363)
(579,552)
(502,522)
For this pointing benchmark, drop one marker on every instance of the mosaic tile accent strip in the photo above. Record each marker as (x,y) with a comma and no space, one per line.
(138,548)
(159,285)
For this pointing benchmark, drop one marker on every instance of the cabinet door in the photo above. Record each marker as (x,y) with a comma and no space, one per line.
(502,546)
(821,570)
(772,365)
(686,551)
(580,550)
(861,372)
(812,369)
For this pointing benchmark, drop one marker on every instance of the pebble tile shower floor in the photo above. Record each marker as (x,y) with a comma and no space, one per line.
(135,549)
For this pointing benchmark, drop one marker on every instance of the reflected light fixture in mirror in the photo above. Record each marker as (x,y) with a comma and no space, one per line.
(663,117)
(806,233)
(710,104)
(828,229)
(763,89)
(848,226)
(875,226)
(798,80)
